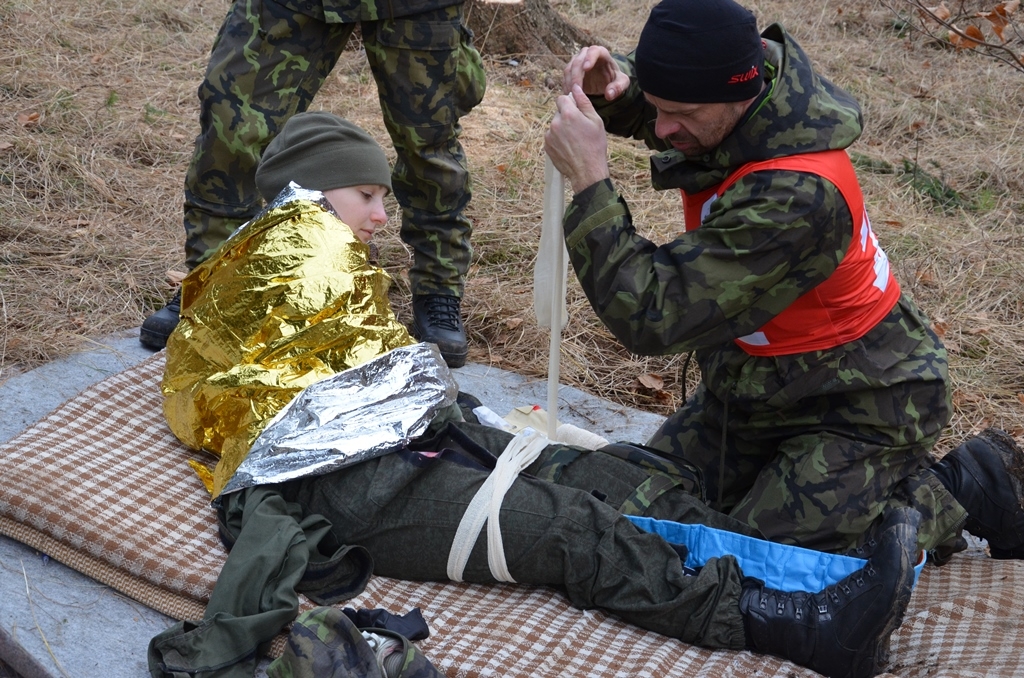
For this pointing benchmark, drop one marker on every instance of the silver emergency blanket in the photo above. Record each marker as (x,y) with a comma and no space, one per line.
(355,415)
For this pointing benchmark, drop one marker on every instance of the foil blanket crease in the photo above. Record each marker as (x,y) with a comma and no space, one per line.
(359,414)
(289,299)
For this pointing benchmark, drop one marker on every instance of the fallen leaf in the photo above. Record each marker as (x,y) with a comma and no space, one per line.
(974,32)
(1020,397)
(940,328)
(175,277)
(502,168)
(96,58)
(1008,7)
(940,12)
(926,278)
(525,82)
(651,381)
(895,223)
(75,223)
(513,323)
(663,397)
(28,119)
(998,21)
(5,146)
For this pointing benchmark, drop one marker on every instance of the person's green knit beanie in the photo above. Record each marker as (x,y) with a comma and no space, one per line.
(320,151)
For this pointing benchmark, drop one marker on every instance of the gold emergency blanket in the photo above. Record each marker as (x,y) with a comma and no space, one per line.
(288,299)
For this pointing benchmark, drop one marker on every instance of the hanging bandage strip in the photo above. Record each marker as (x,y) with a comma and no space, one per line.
(549,279)
(485,506)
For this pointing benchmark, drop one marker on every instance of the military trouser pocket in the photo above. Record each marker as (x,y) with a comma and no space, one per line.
(626,477)
(427,71)
(815,382)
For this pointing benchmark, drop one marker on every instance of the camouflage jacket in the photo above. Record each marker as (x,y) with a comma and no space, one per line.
(773,236)
(351,11)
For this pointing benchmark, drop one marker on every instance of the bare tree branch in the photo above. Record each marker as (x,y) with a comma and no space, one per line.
(930,20)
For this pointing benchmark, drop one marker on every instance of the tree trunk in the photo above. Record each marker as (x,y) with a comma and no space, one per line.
(524,30)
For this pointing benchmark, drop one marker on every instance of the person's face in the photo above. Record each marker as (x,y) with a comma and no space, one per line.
(695,129)
(361,207)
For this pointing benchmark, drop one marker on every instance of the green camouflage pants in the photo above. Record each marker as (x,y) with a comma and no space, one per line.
(269,61)
(561,526)
(811,449)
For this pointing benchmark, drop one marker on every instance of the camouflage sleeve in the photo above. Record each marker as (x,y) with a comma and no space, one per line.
(773,236)
(629,115)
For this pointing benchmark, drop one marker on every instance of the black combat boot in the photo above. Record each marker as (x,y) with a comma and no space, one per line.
(158,327)
(438,320)
(986,476)
(842,631)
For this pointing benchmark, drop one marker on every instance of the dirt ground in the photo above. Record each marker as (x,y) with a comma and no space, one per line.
(98,113)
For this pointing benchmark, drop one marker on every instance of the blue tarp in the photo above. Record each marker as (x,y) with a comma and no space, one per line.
(781,567)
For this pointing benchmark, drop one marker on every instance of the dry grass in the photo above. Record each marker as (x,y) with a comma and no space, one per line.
(90,189)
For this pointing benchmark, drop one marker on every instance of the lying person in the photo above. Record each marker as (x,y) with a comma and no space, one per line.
(397,515)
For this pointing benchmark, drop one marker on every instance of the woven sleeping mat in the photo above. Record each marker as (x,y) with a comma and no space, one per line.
(103,486)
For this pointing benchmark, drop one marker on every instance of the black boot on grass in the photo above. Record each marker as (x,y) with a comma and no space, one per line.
(986,476)
(437,319)
(158,327)
(842,631)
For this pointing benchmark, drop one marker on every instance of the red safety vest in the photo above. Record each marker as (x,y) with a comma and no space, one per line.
(858,294)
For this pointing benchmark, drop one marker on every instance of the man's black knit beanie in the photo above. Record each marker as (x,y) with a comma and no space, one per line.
(700,51)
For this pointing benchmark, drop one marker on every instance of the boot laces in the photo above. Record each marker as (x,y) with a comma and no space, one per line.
(175,302)
(443,311)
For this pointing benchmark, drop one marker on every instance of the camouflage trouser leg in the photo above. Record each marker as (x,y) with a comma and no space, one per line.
(267,64)
(818,471)
(428,76)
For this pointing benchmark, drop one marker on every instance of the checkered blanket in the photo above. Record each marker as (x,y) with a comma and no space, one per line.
(102,486)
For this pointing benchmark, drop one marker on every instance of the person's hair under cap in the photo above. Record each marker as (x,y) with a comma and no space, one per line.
(320,151)
(700,51)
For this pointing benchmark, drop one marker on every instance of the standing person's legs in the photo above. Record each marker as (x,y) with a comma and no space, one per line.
(267,63)
(428,76)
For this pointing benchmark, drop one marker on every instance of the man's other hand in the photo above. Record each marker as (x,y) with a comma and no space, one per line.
(594,70)
(576,141)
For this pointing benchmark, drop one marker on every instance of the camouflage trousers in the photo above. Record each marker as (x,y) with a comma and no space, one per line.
(811,449)
(564,531)
(269,61)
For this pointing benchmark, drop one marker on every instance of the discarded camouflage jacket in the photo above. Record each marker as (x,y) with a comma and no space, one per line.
(772,237)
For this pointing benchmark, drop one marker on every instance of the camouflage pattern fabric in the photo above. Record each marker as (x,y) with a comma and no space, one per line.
(268,62)
(809,449)
(814,456)
(324,643)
